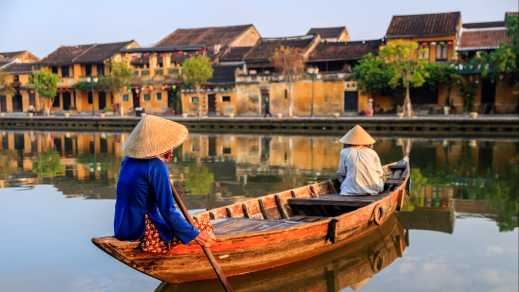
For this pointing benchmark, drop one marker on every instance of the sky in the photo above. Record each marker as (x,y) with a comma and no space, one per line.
(41,26)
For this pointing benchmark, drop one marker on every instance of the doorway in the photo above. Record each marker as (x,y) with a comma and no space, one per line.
(102,100)
(136,98)
(351,101)
(17,103)
(265,102)
(488,96)
(211,104)
(3,104)
(174,102)
(67,102)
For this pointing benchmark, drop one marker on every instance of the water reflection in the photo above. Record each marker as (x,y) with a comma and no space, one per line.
(461,190)
(350,266)
(474,177)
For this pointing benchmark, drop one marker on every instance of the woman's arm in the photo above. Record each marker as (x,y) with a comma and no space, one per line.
(159,179)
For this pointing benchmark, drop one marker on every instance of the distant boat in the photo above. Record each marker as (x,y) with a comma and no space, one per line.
(272,231)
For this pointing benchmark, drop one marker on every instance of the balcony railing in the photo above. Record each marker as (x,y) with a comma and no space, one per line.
(159,71)
(145,72)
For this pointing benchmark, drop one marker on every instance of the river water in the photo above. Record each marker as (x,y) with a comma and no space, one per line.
(457,232)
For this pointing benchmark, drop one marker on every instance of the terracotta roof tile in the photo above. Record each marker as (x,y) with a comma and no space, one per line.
(328,32)
(346,51)
(205,36)
(263,51)
(489,24)
(483,39)
(19,68)
(235,54)
(90,53)
(423,25)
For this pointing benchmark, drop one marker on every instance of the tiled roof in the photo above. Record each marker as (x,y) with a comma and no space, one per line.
(423,25)
(91,53)
(235,54)
(19,68)
(346,51)
(489,24)
(327,32)
(483,39)
(205,36)
(263,51)
(223,74)
(11,55)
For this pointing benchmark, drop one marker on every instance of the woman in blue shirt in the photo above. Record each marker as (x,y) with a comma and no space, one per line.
(144,207)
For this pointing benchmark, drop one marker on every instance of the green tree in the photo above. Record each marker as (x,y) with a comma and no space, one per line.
(405,68)
(118,79)
(372,75)
(290,64)
(443,74)
(195,72)
(45,83)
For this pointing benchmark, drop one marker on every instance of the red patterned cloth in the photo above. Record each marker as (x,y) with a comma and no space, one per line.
(152,243)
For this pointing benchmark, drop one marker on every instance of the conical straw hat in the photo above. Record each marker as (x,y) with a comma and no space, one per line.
(357,136)
(153,136)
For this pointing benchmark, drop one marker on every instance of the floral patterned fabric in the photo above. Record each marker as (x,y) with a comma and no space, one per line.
(152,243)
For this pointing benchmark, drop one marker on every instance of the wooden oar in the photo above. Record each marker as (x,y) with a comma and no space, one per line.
(216,267)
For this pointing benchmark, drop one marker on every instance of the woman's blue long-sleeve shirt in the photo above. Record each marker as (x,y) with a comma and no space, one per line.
(143,188)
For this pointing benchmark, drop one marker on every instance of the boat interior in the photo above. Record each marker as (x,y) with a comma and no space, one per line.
(302,205)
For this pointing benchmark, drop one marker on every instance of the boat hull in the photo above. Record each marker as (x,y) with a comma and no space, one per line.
(256,251)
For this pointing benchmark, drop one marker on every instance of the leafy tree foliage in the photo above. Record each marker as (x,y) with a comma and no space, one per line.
(195,72)
(372,75)
(45,83)
(405,68)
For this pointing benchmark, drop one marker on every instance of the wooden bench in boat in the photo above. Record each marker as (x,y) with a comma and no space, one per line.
(234,226)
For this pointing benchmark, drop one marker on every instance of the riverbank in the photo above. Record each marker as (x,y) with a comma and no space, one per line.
(451,125)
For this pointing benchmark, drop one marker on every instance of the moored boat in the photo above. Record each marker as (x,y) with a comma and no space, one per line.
(352,265)
(271,231)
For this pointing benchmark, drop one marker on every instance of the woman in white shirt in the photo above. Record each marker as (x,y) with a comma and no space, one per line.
(360,171)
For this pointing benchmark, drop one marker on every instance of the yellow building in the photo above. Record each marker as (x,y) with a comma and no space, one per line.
(18,65)
(492,95)
(84,65)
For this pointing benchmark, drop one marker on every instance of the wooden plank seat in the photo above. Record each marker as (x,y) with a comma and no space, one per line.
(234,226)
(331,205)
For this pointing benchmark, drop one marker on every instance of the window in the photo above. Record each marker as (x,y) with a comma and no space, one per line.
(160,61)
(226,150)
(100,68)
(286,93)
(159,96)
(194,99)
(441,52)
(88,70)
(126,97)
(56,102)
(54,69)
(146,96)
(423,52)
(65,72)
(90,97)
(226,98)
(32,98)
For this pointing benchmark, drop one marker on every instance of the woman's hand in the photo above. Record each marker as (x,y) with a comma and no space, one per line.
(205,239)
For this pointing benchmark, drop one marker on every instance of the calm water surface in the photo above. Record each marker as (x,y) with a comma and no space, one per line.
(458,232)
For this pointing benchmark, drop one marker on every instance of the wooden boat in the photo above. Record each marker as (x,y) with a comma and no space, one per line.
(349,266)
(272,230)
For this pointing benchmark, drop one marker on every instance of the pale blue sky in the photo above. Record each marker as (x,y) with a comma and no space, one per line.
(41,26)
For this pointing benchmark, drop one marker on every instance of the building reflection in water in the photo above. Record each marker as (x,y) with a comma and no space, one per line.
(469,176)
